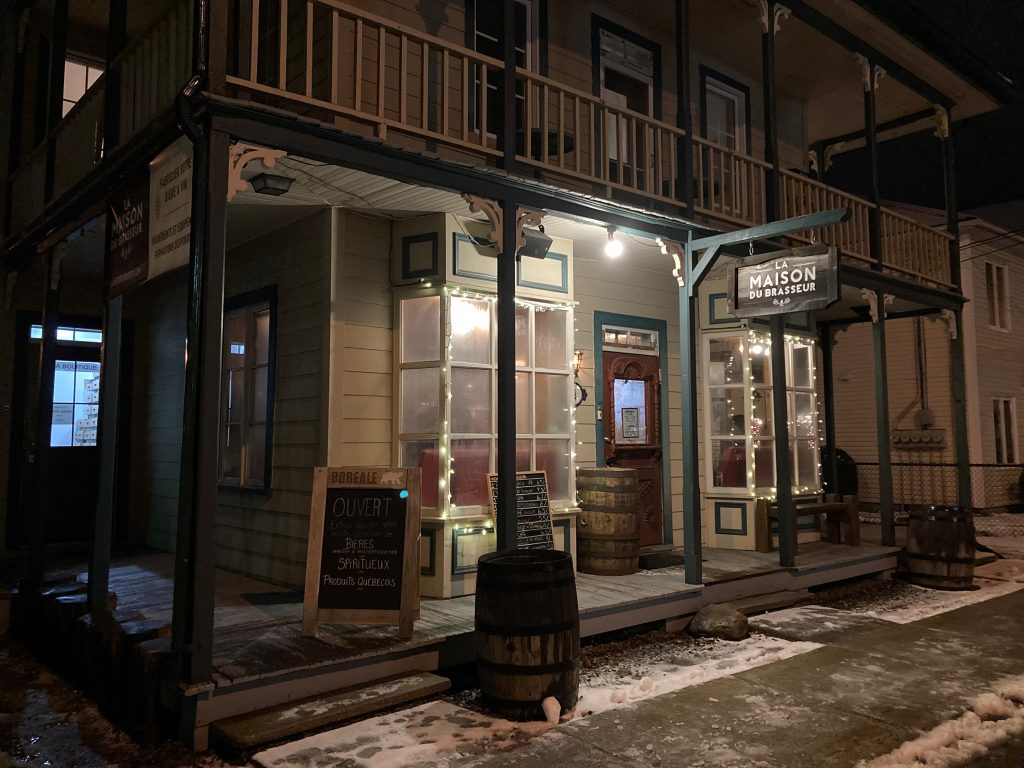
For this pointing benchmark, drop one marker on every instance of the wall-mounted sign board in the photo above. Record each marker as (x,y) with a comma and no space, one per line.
(534,510)
(793,280)
(362,557)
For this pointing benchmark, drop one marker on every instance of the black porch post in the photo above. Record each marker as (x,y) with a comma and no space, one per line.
(684,116)
(117,38)
(55,96)
(508,111)
(826,335)
(508,513)
(44,420)
(956,357)
(771,135)
(110,406)
(16,124)
(192,620)
(692,548)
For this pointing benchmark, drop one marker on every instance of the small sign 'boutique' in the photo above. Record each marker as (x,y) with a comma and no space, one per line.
(794,280)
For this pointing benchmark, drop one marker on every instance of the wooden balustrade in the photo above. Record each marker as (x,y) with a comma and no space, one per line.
(27,189)
(912,250)
(800,195)
(729,185)
(79,139)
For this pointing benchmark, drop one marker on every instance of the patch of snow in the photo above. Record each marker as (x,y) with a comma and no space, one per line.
(918,603)
(994,719)
(552,710)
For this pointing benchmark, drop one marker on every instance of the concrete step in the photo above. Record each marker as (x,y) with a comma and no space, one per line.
(244,732)
(776,601)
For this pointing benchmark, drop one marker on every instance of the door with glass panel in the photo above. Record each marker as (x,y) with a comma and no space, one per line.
(725,119)
(632,431)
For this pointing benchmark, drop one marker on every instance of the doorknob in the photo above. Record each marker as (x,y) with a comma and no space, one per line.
(607,439)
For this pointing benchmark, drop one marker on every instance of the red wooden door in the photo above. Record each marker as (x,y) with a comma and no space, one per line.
(632,431)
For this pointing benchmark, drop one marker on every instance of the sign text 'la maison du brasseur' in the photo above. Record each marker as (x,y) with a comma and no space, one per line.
(793,280)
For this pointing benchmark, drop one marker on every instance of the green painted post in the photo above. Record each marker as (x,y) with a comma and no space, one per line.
(692,548)
(885,507)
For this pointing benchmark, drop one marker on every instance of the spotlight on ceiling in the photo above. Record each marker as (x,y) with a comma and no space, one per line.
(537,243)
(270,184)
(613,248)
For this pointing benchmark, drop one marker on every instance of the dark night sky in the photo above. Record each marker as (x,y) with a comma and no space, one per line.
(986,37)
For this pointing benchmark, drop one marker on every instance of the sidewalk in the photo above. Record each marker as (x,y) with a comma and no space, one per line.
(872,686)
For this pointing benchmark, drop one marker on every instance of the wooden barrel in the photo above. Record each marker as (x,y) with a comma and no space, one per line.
(608,533)
(527,632)
(940,548)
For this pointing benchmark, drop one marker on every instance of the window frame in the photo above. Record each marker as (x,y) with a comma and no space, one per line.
(250,303)
(997,295)
(1005,434)
(730,88)
(91,68)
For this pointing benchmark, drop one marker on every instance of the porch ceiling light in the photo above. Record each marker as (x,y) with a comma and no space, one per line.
(270,184)
(613,248)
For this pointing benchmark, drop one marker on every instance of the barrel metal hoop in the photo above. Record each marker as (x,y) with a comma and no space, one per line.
(628,538)
(536,629)
(940,558)
(531,669)
(483,581)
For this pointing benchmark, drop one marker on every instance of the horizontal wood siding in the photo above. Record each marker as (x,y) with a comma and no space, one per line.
(264,535)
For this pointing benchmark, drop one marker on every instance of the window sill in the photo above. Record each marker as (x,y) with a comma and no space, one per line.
(247,489)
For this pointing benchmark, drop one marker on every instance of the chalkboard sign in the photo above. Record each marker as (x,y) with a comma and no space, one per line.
(361,560)
(534,512)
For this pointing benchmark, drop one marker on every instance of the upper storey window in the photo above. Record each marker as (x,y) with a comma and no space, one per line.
(78,78)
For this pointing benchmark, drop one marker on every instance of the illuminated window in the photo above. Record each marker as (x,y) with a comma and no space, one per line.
(1004,415)
(76,404)
(78,78)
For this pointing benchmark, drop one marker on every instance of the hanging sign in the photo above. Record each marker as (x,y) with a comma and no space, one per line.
(170,207)
(534,529)
(793,280)
(128,237)
(361,559)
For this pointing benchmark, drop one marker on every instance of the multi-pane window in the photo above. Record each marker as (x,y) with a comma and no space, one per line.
(76,404)
(997,294)
(247,401)
(1004,417)
(741,420)
(78,78)
(448,412)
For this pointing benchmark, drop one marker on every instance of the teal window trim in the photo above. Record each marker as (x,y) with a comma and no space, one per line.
(563,287)
(642,324)
(720,529)
(713,319)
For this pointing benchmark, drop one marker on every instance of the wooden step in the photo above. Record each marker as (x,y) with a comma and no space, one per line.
(751,606)
(244,732)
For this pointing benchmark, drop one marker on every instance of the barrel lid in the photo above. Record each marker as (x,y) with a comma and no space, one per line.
(940,513)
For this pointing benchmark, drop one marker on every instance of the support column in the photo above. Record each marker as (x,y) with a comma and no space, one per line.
(871,74)
(508,513)
(117,38)
(770,11)
(684,116)
(508,122)
(37,511)
(192,620)
(825,341)
(110,406)
(877,302)
(692,546)
(55,96)
(783,470)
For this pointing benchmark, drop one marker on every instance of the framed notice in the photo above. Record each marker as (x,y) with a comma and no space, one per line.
(533,509)
(362,557)
(631,423)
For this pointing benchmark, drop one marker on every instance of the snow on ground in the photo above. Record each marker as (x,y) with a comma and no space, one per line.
(1005,546)
(443,734)
(915,603)
(994,718)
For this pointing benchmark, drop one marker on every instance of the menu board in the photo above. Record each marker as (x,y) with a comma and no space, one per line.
(361,562)
(533,510)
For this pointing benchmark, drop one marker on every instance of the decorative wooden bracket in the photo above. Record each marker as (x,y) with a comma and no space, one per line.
(947,316)
(872,299)
(831,151)
(941,121)
(779,12)
(833,334)
(870,73)
(239,156)
(492,210)
(678,253)
(812,160)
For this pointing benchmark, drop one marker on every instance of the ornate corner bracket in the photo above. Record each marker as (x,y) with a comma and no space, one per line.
(678,253)
(812,160)
(870,73)
(947,317)
(239,156)
(833,334)
(779,12)
(492,210)
(11,281)
(831,150)
(872,299)
(941,119)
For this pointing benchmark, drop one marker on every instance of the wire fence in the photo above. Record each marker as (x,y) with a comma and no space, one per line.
(997,497)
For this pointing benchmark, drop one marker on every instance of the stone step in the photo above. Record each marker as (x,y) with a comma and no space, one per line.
(751,606)
(244,732)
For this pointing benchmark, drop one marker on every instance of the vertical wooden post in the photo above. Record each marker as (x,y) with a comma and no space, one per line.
(684,113)
(825,340)
(192,619)
(783,469)
(871,73)
(692,547)
(16,124)
(508,102)
(39,508)
(771,133)
(117,38)
(885,502)
(55,96)
(110,406)
(507,513)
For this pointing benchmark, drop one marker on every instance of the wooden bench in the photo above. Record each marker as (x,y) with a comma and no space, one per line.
(838,511)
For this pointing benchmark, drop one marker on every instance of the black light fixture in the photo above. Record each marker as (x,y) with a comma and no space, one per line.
(579,393)
(270,184)
(537,243)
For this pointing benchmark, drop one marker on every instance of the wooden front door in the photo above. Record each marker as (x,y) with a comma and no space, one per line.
(632,431)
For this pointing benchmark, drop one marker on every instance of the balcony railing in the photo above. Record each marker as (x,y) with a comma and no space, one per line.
(151,71)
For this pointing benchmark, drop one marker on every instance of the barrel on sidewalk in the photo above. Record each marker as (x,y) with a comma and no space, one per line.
(608,534)
(527,632)
(940,548)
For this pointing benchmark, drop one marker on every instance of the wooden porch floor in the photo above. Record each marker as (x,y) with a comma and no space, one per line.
(257,625)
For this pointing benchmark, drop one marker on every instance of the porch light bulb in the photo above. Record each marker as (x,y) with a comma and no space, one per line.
(613,248)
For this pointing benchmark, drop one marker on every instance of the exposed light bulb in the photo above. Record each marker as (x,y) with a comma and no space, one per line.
(613,248)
